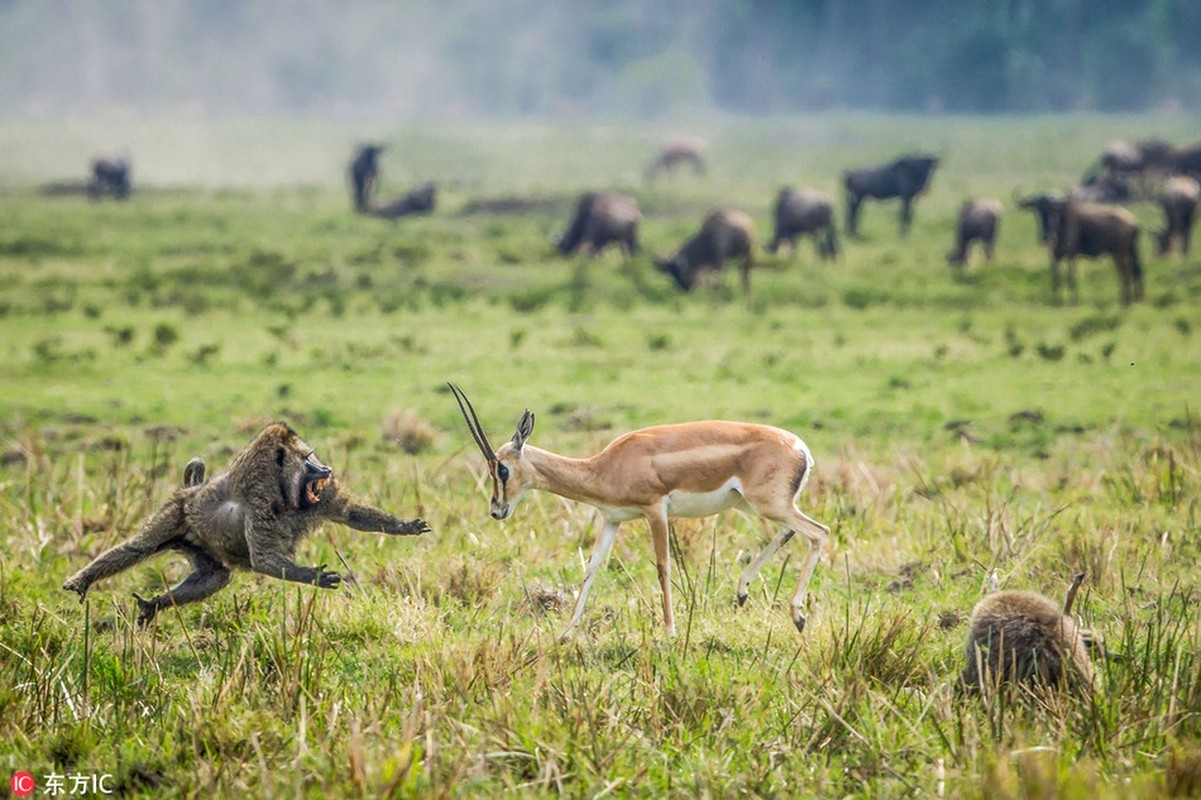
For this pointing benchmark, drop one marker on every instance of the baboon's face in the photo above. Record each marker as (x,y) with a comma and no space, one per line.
(302,476)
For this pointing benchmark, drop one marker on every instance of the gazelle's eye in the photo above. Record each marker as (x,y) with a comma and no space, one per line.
(502,473)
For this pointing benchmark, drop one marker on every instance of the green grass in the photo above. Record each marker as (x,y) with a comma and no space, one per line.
(960,424)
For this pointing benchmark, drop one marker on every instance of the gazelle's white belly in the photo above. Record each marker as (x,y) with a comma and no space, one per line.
(704,504)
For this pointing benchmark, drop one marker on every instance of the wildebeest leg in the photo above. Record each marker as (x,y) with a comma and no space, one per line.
(853,202)
(1072,280)
(208,577)
(989,244)
(1055,278)
(906,214)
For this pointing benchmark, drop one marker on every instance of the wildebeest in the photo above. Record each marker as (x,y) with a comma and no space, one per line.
(419,201)
(364,170)
(1104,187)
(109,176)
(675,153)
(1179,200)
(1187,160)
(1128,158)
(801,213)
(906,178)
(601,218)
(978,221)
(1025,638)
(725,233)
(1071,228)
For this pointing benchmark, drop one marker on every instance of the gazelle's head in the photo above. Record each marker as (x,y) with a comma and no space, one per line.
(511,472)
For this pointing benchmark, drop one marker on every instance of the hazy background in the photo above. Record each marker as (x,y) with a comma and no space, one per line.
(584,59)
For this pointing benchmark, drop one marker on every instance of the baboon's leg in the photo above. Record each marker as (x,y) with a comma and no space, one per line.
(193,473)
(207,577)
(158,534)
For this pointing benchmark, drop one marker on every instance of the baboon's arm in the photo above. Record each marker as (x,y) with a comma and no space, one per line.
(371,520)
(159,532)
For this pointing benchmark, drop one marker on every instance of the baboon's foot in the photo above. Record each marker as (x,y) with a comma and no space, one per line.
(147,609)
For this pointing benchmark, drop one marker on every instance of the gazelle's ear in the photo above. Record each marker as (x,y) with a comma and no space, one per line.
(525,426)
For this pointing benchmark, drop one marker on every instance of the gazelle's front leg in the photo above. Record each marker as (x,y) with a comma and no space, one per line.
(601,551)
(659,535)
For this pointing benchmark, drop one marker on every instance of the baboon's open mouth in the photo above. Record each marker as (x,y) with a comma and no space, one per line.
(312,490)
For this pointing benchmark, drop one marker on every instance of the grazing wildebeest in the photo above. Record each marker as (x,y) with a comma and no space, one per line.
(1104,187)
(1179,200)
(979,219)
(601,218)
(419,201)
(906,178)
(675,153)
(364,170)
(725,233)
(109,176)
(801,213)
(1187,160)
(1023,638)
(1072,228)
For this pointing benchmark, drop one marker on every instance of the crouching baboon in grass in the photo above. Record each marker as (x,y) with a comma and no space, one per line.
(805,213)
(725,233)
(601,218)
(252,516)
(1025,638)
(978,222)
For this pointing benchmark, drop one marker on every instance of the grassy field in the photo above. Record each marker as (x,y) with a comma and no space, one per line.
(962,423)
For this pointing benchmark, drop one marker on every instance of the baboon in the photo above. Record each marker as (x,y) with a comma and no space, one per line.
(364,170)
(675,153)
(725,233)
(1025,638)
(978,221)
(252,516)
(601,218)
(805,213)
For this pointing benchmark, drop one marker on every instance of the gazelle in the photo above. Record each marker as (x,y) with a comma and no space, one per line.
(692,469)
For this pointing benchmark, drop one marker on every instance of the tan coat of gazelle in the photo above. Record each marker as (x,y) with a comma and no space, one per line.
(690,469)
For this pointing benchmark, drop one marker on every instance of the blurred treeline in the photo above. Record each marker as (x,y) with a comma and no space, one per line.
(634,59)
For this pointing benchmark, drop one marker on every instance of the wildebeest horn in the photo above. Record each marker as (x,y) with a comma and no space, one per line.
(1071,598)
(473,423)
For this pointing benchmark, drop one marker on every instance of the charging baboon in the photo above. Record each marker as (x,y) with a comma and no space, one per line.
(252,516)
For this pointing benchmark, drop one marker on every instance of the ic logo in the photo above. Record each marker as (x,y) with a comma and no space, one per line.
(22,784)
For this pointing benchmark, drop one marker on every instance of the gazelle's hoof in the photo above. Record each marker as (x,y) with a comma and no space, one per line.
(799,621)
(741,599)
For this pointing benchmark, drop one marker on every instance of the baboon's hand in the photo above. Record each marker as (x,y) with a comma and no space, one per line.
(327,579)
(75,585)
(415,527)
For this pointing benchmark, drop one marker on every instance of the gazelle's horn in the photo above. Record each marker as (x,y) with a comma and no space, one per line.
(1071,598)
(473,423)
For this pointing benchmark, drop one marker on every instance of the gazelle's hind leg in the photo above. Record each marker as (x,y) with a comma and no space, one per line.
(794,522)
